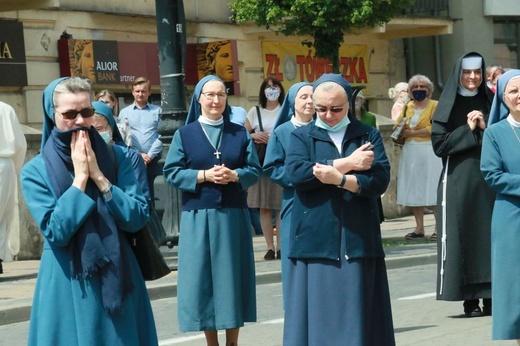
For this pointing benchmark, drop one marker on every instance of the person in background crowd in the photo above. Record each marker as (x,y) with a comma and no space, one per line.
(489,75)
(12,155)
(213,161)
(400,95)
(238,116)
(501,169)
(494,77)
(90,290)
(361,112)
(297,110)
(419,168)
(123,125)
(266,195)
(144,119)
(465,201)
(337,287)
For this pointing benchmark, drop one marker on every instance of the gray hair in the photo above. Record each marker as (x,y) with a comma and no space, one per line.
(421,78)
(73,85)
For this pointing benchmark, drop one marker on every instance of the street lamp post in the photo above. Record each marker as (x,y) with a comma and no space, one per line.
(171,36)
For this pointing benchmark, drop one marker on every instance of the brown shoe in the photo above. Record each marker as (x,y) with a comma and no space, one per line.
(269,255)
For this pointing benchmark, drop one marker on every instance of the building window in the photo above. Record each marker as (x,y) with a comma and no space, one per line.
(506,41)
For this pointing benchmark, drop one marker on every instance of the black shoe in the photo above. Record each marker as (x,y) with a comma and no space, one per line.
(269,255)
(279,254)
(486,310)
(1,268)
(473,313)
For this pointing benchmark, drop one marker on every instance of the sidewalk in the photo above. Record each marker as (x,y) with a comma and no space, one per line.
(19,277)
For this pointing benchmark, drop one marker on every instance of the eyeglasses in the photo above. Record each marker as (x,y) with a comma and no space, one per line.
(334,109)
(73,114)
(212,96)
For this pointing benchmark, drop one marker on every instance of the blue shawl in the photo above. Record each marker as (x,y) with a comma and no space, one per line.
(95,249)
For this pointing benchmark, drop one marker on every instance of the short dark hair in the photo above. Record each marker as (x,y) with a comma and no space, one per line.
(261,95)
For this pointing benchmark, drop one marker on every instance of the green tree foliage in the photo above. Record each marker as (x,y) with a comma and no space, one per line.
(326,21)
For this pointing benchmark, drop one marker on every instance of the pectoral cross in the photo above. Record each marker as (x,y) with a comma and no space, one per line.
(217,153)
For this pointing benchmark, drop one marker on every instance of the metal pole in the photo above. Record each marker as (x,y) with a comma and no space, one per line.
(171,36)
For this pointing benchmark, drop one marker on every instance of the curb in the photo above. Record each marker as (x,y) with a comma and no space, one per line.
(20,311)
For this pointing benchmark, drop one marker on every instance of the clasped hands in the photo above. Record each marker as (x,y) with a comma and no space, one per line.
(85,162)
(220,174)
(476,119)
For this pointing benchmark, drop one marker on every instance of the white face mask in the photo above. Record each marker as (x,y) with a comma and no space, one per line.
(106,136)
(272,93)
(405,99)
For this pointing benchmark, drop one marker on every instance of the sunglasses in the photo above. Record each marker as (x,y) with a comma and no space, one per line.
(73,114)
(331,109)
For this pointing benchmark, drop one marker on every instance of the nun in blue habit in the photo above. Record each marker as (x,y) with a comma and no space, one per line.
(113,136)
(90,290)
(213,161)
(297,110)
(500,167)
(337,287)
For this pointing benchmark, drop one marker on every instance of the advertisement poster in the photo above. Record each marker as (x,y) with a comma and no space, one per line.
(109,62)
(293,62)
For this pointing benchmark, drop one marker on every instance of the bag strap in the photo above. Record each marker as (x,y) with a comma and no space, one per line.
(259,118)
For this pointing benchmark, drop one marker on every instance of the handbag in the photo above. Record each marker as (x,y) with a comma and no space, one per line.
(261,148)
(146,250)
(396,135)
(150,259)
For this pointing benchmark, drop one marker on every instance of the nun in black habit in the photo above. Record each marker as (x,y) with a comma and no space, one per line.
(465,202)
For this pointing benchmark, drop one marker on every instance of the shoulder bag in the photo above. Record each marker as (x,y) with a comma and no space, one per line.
(260,147)
(146,250)
(396,135)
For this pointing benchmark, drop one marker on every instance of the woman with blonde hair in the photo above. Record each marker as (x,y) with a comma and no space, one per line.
(399,93)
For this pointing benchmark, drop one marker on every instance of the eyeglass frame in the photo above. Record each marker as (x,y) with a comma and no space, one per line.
(220,96)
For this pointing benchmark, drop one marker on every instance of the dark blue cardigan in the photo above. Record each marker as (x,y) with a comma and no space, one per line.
(320,210)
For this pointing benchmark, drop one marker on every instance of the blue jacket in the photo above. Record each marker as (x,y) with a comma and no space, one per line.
(322,211)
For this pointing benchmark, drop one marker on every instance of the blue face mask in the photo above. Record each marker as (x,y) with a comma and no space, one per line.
(106,136)
(339,126)
(419,95)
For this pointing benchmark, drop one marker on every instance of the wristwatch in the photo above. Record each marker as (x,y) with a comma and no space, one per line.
(343,181)
(107,193)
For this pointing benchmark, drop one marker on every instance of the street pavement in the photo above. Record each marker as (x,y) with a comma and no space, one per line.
(19,277)
(418,318)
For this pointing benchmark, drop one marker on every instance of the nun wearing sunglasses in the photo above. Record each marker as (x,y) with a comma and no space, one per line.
(90,290)
(337,287)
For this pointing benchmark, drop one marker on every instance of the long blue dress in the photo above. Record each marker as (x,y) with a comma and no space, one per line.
(216,275)
(274,168)
(67,311)
(500,166)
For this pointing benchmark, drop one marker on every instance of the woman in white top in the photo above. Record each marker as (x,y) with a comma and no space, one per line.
(266,195)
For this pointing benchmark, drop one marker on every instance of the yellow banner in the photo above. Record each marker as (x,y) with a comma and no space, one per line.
(293,62)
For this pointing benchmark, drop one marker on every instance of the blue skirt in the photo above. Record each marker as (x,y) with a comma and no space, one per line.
(216,279)
(338,303)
